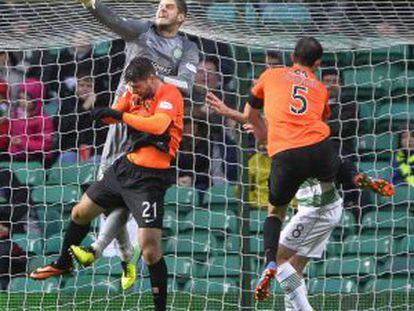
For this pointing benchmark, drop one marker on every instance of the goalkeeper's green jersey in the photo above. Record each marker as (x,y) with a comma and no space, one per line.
(311,194)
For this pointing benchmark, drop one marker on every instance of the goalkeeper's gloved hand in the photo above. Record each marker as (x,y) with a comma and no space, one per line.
(100,113)
(88,4)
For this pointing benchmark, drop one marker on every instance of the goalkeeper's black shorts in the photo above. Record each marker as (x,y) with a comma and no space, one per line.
(137,188)
(292,167)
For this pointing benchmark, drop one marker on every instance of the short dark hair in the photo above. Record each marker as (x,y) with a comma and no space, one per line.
(275,54)
(139,69)
(182,6)
(84,75)
(307,51)
(331,72)
(213,59)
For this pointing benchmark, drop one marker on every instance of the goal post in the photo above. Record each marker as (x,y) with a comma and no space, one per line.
(212,236)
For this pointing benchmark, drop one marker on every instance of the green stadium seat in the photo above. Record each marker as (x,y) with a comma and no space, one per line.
(401,265)
(53,244)
(380,143)
(348,226)
(102,48)
(213,286)
(170,223)
(72,174)
(257,218)
(106,266)
(337,59)
(332,286)
(256,244)
(56,194)
(334,248)
(231,243)
(388,222)
(381,55)
(391,117)
(52,220)
(293,16)
(350,266)
(404,195)
(390,284)
(315,269)
(210,220)
(221,198)
(366,114)
(185,197)
(405,245)
(372,81)
(51,108)
(222,13)
(27,285)
(87,284)
(31,173)
(368,245)
(201,242)
(219,266)
(185,267)
(32,245)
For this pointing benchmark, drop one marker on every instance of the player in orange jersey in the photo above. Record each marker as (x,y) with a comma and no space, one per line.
(153,112)
(295,107)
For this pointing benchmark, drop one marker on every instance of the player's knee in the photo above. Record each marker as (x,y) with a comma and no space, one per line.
(79,216)
(277,211)
(151,254)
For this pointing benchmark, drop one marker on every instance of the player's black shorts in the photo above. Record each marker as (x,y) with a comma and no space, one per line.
(292,167)
(137,188)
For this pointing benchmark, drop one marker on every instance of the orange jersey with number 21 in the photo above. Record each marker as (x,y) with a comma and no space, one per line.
(295,107)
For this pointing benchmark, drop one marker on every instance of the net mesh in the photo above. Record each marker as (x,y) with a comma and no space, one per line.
(213,225)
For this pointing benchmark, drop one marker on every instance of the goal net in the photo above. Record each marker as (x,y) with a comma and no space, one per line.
(212,237)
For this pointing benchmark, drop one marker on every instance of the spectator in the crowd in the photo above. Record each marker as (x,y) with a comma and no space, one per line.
(31,129)
(224,56)
(404,159)
(79,57)
(9,74)
(4,116)
(79,137)
(213,140)
(209,78)
(343,119)
(343,124)
(13,258)
(259,169)
(274,58)
(192,158)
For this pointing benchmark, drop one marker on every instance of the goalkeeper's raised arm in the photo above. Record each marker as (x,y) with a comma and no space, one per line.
(174,57)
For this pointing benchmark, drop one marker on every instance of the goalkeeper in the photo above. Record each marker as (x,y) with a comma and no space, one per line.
(139,179)
(175,59)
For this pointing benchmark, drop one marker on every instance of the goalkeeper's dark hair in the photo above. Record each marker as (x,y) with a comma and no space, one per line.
(182,6)
(307,51)
(331,72)
(139,69)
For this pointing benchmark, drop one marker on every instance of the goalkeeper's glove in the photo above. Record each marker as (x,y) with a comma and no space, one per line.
(100,113)
(87,4)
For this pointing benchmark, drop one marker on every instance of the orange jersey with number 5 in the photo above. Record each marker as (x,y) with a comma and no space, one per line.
(295,107)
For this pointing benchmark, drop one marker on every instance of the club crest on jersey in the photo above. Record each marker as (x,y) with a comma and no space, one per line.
(177,53)
(165,105)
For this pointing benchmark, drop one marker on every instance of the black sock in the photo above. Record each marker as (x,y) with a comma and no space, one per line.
(159,278)
(73,236)
(271,233)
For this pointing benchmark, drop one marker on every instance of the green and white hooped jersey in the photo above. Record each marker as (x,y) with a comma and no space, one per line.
(312,194)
